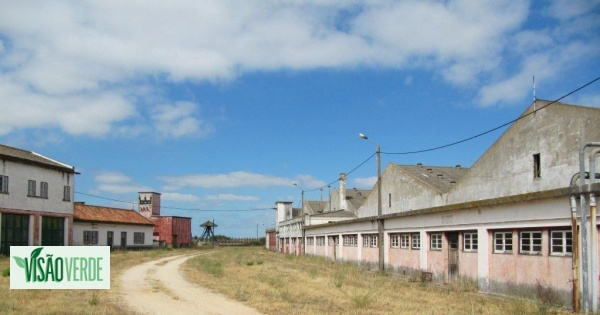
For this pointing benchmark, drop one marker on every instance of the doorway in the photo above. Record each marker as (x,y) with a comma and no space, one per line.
(109,238)
(452,256)
(123,239)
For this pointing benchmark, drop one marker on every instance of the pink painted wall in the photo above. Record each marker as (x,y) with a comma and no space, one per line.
(467,264)
(403,258)
(350,253)
(370,255)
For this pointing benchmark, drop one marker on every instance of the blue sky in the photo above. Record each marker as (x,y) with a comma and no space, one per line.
(221,105)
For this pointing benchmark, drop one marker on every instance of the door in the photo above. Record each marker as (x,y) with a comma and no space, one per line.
(452,256)
(175,244)
(123,239)
(53,231)
(15,232)
(109,238)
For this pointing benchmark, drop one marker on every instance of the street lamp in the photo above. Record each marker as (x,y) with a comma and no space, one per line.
(302,189)
(379,211)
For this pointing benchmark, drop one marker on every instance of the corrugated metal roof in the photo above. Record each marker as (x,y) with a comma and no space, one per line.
(83,212)
(439,177)
(29,157)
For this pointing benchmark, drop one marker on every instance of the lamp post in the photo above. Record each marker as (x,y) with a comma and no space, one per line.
(380,242)
(302,189)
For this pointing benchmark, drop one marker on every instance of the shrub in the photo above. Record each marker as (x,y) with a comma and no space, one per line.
(6,272)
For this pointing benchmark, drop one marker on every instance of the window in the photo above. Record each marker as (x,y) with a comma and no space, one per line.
(310,241)
(390,200)
(436,241)
(470,241)
(138,238)
(350,240)
(531,242)
(395,240)
(537,168)
(503,242)
(67,193)
(404,241)
(320,240)
(44,190)
(416,241)
(31,188)
(561,242)
(3,184)
(373,240)
(90,237)
(14,231)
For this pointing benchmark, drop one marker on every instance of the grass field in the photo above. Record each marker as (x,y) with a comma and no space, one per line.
(274,284)
(285,284)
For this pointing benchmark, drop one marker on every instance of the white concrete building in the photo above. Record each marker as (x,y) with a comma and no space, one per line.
(36,200)
(105,226)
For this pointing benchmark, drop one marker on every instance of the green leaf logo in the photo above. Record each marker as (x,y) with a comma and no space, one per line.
(35,253)
(20,261)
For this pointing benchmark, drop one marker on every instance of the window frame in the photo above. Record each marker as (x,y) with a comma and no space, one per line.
(415,241)
(31,188)
(66,193)
(567,242)
(531,244)
(90,237)
(44,190)
(136,238)
(395,240)
(3,184)
(470,241)
(504,244)
(435,241)
(405,241)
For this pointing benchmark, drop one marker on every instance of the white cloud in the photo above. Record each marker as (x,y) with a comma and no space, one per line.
(233,179)
(177,120)
(179,197)
(365,182)
(230,197)
(118,183)
(73,66)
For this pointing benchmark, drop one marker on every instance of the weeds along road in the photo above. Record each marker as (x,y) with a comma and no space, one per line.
(158,287)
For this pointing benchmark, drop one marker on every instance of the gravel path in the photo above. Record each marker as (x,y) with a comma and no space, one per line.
(158,287)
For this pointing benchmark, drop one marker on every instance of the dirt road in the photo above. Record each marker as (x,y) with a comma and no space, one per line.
(158,287)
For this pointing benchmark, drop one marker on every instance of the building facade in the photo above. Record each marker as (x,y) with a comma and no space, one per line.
(36,200)
(105,226)
(505,223)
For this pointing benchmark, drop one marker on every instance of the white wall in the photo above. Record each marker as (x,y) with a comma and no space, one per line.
(102,228)
(18,176)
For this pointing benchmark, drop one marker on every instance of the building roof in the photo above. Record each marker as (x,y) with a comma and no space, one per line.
(335,214)
(30,157)
(98,214)
(439,177)
(357,196)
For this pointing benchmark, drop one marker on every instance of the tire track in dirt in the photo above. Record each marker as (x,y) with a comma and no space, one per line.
(158,287)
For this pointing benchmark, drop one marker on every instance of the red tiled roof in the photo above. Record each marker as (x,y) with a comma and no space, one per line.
(83,212)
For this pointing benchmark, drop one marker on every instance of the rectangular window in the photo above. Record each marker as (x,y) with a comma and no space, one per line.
(373,240)
(537,167)
(3,184)
(90,237)
(561,242)
(44,190)
(436,241)
(530,242)
(404,241)
(310,241)
(470,241)
(416,241)
(366,240)
(31,188)
(389,200)
(14,231)
(395,240)
(138,238)
(503,242)
(53,231)
(66,193)
(320,240)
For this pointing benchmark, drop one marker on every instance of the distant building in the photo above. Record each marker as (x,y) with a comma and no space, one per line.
(105,226)
(36,200)
(170,231)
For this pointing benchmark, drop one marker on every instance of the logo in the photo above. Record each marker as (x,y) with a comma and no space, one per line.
(60,267)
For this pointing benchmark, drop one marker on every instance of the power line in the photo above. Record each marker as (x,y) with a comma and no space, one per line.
(347,173)
(177,208)
(496,128)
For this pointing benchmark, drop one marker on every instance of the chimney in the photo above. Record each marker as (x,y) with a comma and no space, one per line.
(343,202)
(284,211)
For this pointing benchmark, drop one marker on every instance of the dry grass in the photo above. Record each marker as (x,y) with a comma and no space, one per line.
(77,301)
(285,284)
